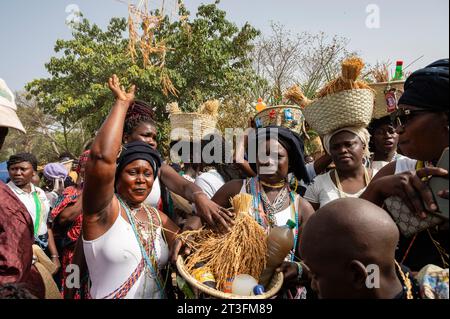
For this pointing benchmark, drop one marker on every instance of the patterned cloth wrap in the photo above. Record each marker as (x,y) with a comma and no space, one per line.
(433,282)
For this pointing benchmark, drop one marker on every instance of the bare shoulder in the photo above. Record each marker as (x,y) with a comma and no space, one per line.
(306,209)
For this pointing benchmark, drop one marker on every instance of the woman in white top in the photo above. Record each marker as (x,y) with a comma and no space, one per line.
(348,148)
(126,243)
(274,202)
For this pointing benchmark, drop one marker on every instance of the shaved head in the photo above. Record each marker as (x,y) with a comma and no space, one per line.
(344,233)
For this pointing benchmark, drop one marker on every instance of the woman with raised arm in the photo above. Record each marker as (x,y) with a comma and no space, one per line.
(126,243)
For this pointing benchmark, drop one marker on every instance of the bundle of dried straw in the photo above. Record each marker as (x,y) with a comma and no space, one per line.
(241,251)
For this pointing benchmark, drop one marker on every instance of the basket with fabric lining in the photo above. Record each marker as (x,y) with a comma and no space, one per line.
(276,115)
(345,108)
(381,107)
(273,288)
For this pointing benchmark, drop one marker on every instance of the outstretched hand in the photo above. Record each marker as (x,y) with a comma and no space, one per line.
(119,91)
(212,214)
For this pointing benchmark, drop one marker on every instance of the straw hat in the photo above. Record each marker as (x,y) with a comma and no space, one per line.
(8,109)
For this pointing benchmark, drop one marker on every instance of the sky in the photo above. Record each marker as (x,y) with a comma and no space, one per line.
(378,30)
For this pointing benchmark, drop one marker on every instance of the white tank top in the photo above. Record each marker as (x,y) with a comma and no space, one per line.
(155,195)
(114,256)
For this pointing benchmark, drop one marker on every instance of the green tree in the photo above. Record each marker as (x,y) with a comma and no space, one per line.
(207,57)
(45,138)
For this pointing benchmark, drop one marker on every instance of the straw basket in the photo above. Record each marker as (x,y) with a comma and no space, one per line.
(346,108)
(274,286)
(187,126)
(381,107)
(288,116)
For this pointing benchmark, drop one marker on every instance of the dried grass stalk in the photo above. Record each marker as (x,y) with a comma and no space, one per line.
(381,72)
(295,95)
(210,107)
(167,85)
(173,108)
(241,251)
(351,70)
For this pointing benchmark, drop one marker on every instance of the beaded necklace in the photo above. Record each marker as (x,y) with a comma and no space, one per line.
(261,217)
(149,258)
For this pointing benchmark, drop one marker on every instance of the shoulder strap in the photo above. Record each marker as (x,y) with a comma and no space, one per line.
(37,203)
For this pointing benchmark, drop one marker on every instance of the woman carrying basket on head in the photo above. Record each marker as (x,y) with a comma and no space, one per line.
(340,114)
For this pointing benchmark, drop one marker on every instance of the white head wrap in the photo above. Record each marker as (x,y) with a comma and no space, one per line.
(361,132)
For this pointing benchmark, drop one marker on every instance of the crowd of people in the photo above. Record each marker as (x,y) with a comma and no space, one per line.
(117,215)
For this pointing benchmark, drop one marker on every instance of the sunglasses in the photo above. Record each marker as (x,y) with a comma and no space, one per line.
(401,117)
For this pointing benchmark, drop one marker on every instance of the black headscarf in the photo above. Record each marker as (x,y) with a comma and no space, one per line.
(138,151)
(428,88)
(293,144)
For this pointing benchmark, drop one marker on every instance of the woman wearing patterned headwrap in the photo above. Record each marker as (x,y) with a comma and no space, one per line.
(422,122)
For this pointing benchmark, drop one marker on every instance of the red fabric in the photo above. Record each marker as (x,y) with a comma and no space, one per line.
(69,197)
(16,240)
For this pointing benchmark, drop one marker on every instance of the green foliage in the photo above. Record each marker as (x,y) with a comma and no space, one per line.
(207,58)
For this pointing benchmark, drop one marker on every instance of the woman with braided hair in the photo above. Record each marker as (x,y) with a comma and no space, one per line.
(140,126)
(125,242)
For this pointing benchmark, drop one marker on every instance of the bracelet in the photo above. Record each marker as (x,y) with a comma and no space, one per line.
(299,270)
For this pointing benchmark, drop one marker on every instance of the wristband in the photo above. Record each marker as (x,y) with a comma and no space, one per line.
(299,270)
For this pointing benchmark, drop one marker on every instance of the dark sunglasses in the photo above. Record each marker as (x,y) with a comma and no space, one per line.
(402,116)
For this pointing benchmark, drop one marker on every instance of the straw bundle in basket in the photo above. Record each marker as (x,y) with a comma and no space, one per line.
(288,116)
(381,106)
(195,125)
(345,101)
(241,251)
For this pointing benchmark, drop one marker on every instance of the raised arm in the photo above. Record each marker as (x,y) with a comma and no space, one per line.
(98,190)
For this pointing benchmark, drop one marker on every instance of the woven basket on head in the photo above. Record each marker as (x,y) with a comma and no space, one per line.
(381,107)
(288,116)
(193,125)
(342,109)
(274,286)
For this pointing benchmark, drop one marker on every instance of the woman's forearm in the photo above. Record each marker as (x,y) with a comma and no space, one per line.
(107,144)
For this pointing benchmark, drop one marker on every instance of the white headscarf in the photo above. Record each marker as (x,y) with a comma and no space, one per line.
(361,132)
